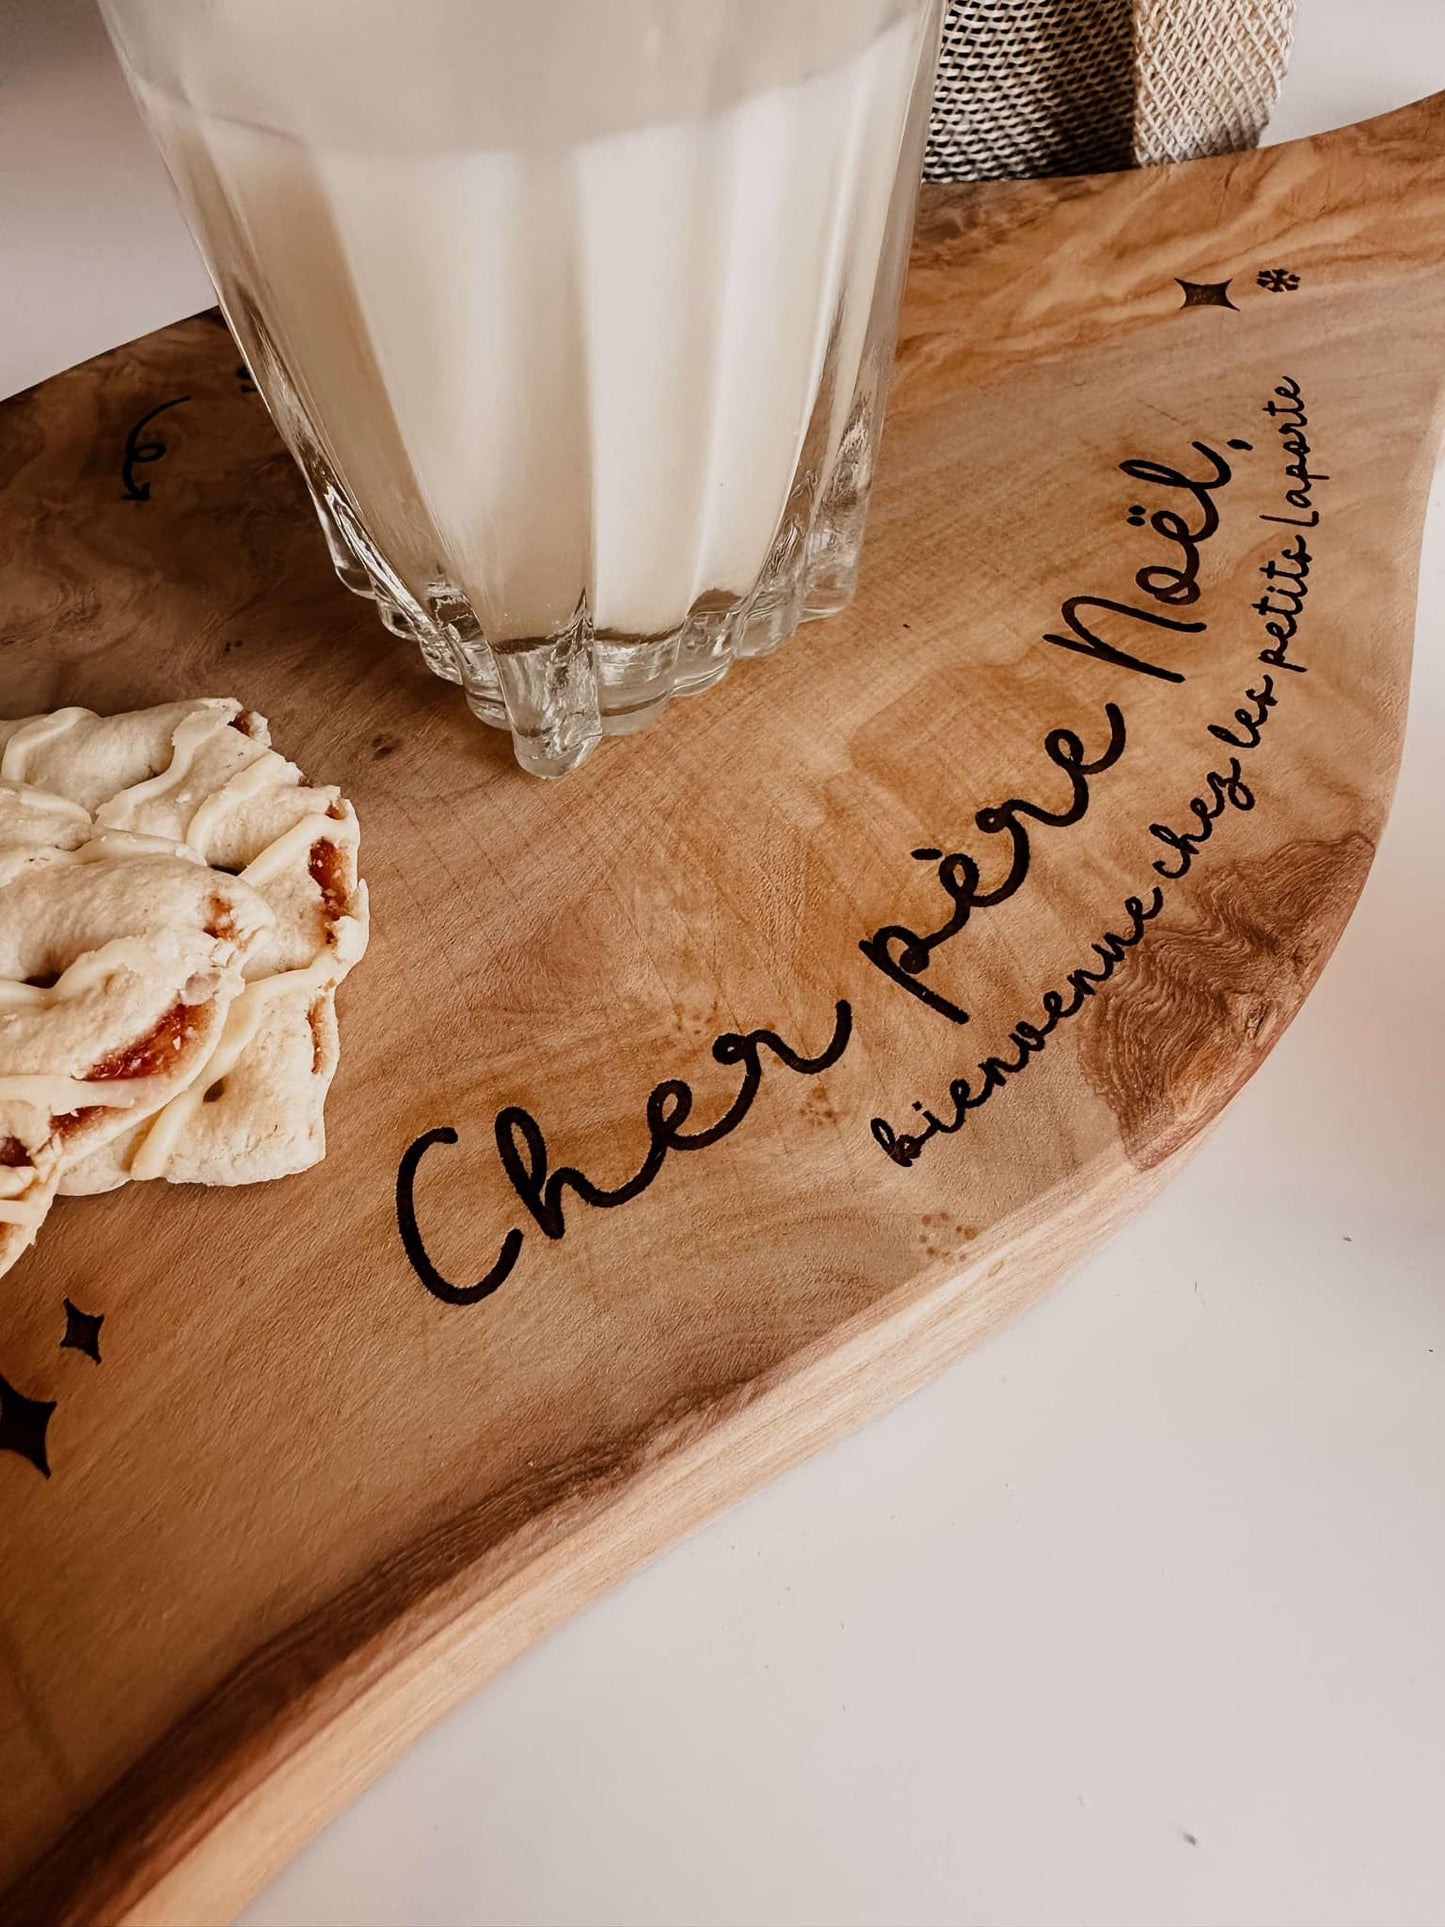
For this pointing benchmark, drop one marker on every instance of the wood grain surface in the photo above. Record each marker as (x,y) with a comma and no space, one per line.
(302,1503)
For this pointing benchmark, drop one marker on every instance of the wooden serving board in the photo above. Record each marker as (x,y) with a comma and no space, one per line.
(353,1440)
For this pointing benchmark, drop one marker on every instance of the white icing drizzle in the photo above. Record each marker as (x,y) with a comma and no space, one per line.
(314,828)
(59,1095)
(114,843)
(158,1145)
(249,781)
(90,968)
(34,735)
(23,1210)
(189,737)
(40,798)
(23,1194)
(108,843)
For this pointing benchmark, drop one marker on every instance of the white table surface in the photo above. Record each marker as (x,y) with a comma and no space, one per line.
(1138,1613)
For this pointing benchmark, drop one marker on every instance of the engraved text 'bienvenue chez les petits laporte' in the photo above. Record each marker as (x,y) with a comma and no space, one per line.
(902,954)
(1129,633)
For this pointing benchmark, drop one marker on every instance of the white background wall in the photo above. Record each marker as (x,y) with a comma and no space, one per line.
(1137,1615)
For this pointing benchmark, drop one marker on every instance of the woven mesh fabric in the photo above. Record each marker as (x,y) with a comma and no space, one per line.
(1031,87)
(1208,74)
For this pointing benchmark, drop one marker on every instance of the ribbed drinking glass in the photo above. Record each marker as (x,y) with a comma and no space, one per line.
(576,314)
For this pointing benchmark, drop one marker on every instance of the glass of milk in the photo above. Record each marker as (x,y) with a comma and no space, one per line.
(576,314)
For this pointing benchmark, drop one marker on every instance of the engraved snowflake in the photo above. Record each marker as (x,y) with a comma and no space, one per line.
(1277,280)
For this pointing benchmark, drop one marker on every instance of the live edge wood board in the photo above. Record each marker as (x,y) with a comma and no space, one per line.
(1133,640)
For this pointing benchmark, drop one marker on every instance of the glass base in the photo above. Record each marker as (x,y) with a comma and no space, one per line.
(560,694)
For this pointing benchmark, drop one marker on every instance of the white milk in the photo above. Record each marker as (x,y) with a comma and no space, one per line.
(557,282)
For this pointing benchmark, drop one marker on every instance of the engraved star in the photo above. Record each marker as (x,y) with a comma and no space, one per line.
(1205,294)
(82,1331)
(22,1425)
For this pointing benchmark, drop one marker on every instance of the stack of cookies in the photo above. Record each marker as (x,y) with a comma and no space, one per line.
(177,907)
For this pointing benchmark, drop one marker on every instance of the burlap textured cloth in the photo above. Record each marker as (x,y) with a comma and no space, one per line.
(1029,87)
